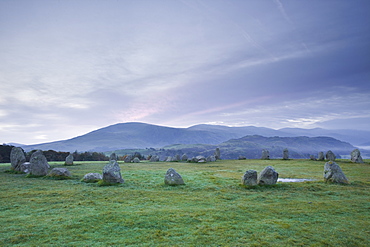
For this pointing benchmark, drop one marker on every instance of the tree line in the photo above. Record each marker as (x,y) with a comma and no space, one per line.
(52,155)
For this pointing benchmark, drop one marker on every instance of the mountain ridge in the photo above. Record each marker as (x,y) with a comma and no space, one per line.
(142,135)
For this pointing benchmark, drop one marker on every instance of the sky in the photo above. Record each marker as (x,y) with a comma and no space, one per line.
(68,67)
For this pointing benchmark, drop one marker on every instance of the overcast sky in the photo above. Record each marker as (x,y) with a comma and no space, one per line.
(70,67)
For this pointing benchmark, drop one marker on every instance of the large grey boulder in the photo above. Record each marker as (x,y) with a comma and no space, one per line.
(39,166)
(321,156)
(330,156)
(265,155)
(333,173)
(250,178)
(112,173)
(356,156)
(285,154)
(169,159)
(69,160)
(217,153)
(268,176)
(113,156)
(173,178)
(92,177)
(136,160)
(17,158)
(59,173)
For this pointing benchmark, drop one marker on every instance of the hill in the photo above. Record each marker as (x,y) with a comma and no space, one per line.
(251,147)
(140,135)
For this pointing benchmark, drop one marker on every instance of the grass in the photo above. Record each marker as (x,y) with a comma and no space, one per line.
(212,209)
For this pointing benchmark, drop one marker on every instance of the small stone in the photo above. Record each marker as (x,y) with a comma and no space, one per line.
(184,157)
(154,158)
(312,157)
(92,177)
(59,173)
(173,178)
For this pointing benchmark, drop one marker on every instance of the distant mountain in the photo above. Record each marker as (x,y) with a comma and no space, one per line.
(141,135)
(355,137)
(251,147)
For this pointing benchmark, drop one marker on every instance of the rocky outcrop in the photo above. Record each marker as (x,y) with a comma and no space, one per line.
(69,160)
(356,156)
(333,173)
(17,158)
(39,166)
(112,173)
(268,176)
(250,178)
(173,178)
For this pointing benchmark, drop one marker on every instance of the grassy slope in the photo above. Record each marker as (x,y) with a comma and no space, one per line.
(212,209)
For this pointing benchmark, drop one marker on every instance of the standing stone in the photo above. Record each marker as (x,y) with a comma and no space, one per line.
(321,156)
(168,159)
(176,158)
(268,176)
(250,178)
(38,164)
(69,160)
(136,160)
(113,156)
(25,167)
(356,156)
(285,154)
(184,157)
(312,157)
(154,158)
(217,153)
(112,173)
(242,157)
(333,173)
(128,159)
(173,178)
(92,177)
(201,159)
(330,156)
(59,173)
(265,155)
(17,158)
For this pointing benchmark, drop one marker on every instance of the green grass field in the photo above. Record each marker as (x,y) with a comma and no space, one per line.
(212,209)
